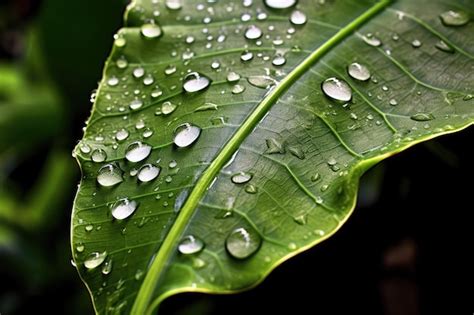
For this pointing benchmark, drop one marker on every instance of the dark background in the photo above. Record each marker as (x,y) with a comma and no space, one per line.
(406,250)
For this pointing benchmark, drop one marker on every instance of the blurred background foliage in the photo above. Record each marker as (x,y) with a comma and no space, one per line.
(405,251)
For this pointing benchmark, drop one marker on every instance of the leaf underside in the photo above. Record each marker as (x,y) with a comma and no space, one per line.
(304,151)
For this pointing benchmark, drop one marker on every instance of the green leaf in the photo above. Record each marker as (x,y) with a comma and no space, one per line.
(255,170)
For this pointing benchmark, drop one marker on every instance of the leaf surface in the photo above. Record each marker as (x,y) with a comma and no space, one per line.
(261,164)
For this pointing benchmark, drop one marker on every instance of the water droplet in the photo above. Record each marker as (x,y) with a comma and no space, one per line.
(296,151)
(207,106)
(416,43)
(280,4)
(139,274)
(242,243)
(173,4)
(121,135)
(195,82)
(121,63)
(261,81)
(315,177)
(372,41)
(120,41)
(393,102)
(358,71)
(298,18)
(151,30)
(186,134)
(246,56)
(251,189)
(190,245)
(233,77)
(148,172)
(274,146)
(148,80)
(278,60)
(109,175)
(237,89)
(168,107)
(95,259)
(292,246)
(147,133)
(124,208)
(136,104)
(107,267)
(137,151)
(301,219)
(89,227)
(99,156)
(86,149)
(337,89)
(253,32)
(241,178)
(80,248)
(138,72)
(113,81)
(170,69)
(443,46)
(454,18)
(422,117)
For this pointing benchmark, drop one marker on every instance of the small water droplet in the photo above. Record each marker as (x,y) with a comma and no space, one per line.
(80,248)
(136,104)
(107,267)
(170,69)
(121,63)
(95,259)
(139,274)
(280,4)
(251,189)
(205,107)
(241,178)
(89,227)
(99,156)
(416,43)
(454,18)
(168,108)
(186,134)
(151,30)
(358,71)
(253,32)
(138,72)
(190,245)
(121,135)
(246,56)
(148,172)
(195,82)
(233,77)
(372,41)
(393,102)
(315,177)
(124,208)
(261,81)
(301,219)
(237,89)
(242,243)
(109,175)
(278,60)
(422,117)
(443,46)
(113,81)
(296,151)
(337,89)
(298,18)
(274,146)
(137,151)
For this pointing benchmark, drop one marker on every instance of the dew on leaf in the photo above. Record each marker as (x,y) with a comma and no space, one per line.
(416,43)
(242,243)
(422,117)
(151,30)
(168,108)
(454,18)
(237,89)
(261,81)
(137,151)
(113,81)
(109,175)
(241,178)
(124,208)
(278,60)
(186,134)
(148,172)
(443,46)
(251,189)
(274,146)
(372,41)
(246,56)
(190,245)
(297,152)
(98,156)
(253,32)
(107,267)
(298,18)
(138,72)
(233,77)
(195,82)
(95,259)
(136,104)
(337,89)
(280,4)
(358,71)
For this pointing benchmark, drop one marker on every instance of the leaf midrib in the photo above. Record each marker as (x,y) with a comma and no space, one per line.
(147,288)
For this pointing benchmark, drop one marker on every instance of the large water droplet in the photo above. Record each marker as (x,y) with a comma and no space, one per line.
(136,104)
(190,245)
(186,134)
(121,135)
(98,156)
(151,30)
(95,259)
(241,178)
(422,117)
(337,89)
(113,81)
(358,71)
(148,172)
(253,32)
(280,4)
(454,18)
(261,81)
(124,208)
(195,82)
(173,4)
(298,18)
(242,243)
(109,175)
(137,151)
